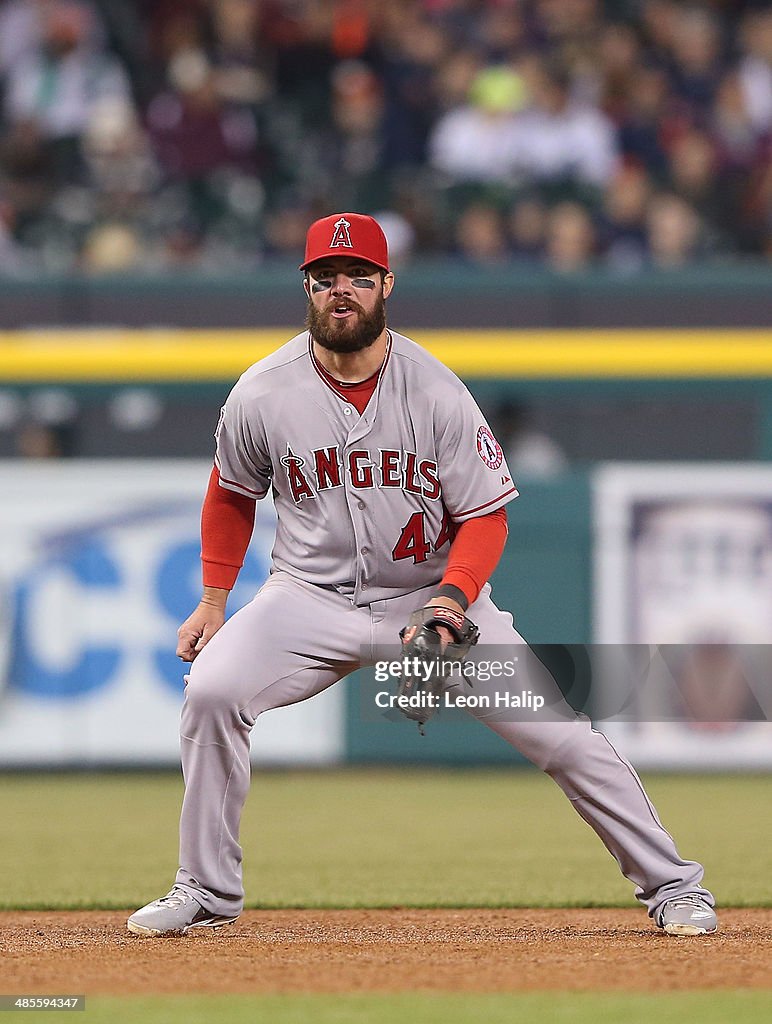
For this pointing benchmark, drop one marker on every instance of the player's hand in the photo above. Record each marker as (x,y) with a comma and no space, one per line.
(445,602)
(423,643)
(199,628)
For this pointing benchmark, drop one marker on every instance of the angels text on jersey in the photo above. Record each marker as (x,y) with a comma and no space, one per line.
(326,467)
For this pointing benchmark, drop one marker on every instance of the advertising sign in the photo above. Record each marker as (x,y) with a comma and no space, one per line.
(683,571)
(99,564)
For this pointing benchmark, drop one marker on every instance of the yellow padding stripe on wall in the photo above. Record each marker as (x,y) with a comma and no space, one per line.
(203,355)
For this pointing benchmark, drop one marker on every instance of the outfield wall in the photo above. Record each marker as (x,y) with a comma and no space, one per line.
(99,559)
(99,563)
(428,293)
(667,394)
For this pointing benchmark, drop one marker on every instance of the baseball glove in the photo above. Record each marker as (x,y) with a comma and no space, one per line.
(426,663)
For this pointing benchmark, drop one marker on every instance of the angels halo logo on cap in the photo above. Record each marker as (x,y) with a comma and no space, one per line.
(341,235)
(347,234)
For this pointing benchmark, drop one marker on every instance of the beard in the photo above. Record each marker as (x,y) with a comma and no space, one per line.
(354,334)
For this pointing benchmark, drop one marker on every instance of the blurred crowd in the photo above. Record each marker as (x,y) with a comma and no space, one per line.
(163,135)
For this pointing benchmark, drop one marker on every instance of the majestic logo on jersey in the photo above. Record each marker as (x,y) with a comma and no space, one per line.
(489,449)
(387,467)
(341,236)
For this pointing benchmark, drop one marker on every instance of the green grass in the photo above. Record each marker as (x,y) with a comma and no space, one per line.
(441,1008)
(354,838)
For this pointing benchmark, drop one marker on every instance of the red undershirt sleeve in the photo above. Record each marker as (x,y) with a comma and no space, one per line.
(227,521)
(475,552)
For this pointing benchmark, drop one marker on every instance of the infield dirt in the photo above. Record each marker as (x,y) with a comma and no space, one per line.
(392,950)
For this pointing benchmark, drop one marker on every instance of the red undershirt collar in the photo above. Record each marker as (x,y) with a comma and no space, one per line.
(358,393)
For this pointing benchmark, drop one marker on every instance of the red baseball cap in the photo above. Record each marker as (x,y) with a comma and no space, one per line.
(347,234)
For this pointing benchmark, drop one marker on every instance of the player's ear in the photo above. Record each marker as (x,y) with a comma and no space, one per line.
(306,286)
(388,284)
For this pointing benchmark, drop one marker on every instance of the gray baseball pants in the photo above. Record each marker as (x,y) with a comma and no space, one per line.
(294,640)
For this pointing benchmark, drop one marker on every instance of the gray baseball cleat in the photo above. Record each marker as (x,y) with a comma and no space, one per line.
(174,914)
(687,915)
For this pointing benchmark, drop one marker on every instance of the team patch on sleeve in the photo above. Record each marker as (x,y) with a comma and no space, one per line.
(489,449)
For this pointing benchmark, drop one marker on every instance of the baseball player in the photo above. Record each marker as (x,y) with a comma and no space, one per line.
(390,491)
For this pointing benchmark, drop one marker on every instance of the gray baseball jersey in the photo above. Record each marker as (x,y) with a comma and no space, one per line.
(365,503)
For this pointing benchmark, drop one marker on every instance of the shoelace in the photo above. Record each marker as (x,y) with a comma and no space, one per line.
(688,901)
(175,897)
(696,902)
